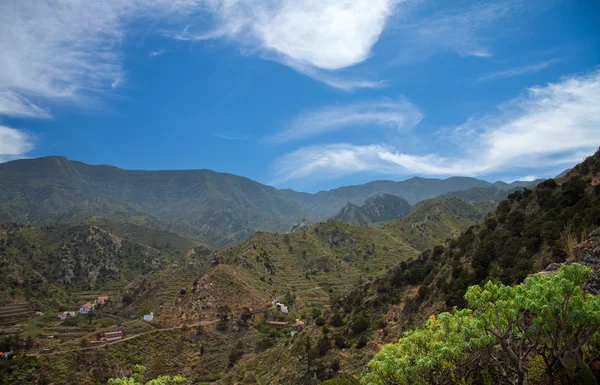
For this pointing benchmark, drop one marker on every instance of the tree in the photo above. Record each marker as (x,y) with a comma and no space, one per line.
(29,343)
(308,350)
(548,315)
(138,379)
(223,312)
(246,314)
(290,298)
(434,354)
(495,340)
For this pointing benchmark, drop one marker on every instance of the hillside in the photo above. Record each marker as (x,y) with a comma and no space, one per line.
(435,220)
(529,231)
(377,208)
(211,207)
(312,265)
(45,190)
(55,260)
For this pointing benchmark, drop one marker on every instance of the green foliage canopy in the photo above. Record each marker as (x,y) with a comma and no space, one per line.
(547,317)
(138,379)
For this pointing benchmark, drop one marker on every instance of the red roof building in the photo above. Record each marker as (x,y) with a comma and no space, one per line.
(113,336)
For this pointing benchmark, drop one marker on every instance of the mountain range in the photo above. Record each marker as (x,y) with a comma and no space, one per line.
(356,286)
(215,208)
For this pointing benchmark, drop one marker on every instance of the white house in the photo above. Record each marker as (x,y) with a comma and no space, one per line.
(149,317)
(86,308)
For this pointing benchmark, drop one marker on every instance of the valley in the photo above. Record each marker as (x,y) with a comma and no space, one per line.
(231,314)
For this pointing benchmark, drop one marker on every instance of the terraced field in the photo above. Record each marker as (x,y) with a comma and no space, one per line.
(11,315)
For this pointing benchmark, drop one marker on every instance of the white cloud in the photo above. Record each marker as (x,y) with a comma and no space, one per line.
(329,161)
(327,34)
(311,36)
(12,104)
(400,115)
(229,136)
(14,143)
(56,51)
(532,68)
(157,53)
(453,27)
(548,126)
(526,178)
(345,83)
(67,51)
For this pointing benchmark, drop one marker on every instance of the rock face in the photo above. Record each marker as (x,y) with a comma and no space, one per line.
(303,225)
(377,208)
(588,253)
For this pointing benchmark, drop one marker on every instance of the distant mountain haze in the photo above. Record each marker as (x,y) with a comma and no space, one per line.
(212,207)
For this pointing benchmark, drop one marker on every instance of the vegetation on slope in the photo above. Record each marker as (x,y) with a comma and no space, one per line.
(542,331)
(435,220)
(328,257)
(523,236)
(214,208)
(42,265)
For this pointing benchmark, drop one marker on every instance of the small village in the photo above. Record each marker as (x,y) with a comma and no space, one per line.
(86,309)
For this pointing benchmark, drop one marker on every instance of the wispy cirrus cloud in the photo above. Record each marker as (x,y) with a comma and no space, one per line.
(517,71)
(68,51)
(157,52)
(14,143)
(400,115)
(548,126)
(464,28)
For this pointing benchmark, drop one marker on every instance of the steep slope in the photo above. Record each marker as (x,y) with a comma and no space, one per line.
(54,260)
(211,207)
(50,189)
(377,208)
(435,220)
(529,231)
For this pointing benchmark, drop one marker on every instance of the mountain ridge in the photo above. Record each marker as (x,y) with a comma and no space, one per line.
(377,208)
(211,207)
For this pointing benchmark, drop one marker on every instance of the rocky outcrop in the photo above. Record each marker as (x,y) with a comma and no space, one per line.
(303,225)
(588,253)
(377,208)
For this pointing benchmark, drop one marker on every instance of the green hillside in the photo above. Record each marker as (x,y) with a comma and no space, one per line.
(99,255)
(377,208)
(211,207)
(435,220)
(528,232)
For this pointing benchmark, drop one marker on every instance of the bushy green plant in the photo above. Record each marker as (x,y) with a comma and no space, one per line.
(499,335)
(138,379)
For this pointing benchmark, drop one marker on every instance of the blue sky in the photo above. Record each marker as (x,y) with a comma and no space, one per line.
(307,94)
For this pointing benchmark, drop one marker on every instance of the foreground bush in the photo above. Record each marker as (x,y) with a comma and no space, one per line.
(505,333)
